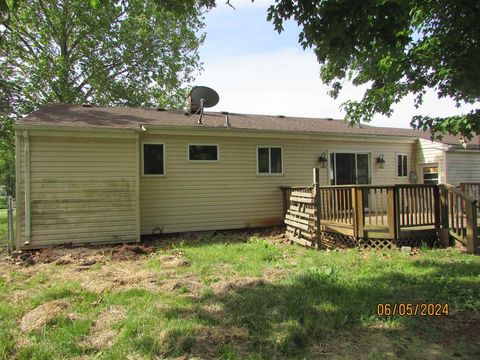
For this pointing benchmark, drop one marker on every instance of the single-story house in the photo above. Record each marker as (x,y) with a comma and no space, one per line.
(90,174)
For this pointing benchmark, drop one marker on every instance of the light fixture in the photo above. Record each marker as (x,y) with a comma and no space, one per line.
(323,160)
(381,161)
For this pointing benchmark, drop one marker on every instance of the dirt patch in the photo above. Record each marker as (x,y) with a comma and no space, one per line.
(209,339)
(102,335)
(83,256)
(459,325)
(41,315)
(224,287)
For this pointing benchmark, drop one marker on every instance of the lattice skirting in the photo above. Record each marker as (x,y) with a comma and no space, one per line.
(331,240)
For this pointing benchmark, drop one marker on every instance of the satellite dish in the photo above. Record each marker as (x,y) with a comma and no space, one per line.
(202,96)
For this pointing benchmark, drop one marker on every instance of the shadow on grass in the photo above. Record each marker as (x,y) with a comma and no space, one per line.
(319,313)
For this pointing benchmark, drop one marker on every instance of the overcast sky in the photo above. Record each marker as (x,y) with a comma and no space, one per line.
(256,70)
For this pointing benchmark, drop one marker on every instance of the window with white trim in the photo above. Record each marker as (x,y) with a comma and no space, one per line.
(402,165)
(269,160)
(202,152)
(153,159)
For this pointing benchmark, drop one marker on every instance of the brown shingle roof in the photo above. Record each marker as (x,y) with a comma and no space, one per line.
(79,116)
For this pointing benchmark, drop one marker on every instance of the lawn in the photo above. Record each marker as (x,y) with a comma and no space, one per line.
(3,225)
(236,296)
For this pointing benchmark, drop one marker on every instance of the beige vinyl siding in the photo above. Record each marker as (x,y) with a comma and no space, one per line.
(429,153)
(463,166)
(229,193)
(82,190)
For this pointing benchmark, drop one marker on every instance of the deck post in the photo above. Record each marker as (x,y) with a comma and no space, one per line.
(441,215)
(316,183)
(392,213)
(355,210)
(472,230)
(359,210)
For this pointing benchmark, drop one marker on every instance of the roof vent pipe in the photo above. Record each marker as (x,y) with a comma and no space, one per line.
(199,122)
(227,121)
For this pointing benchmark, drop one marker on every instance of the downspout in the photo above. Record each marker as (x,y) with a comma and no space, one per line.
(17,188)
(26,149)
(137,186)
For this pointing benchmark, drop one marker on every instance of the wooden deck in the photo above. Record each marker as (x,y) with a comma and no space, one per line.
(382,216)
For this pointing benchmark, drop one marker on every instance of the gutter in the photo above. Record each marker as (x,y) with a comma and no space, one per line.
(232,131)
(71,128)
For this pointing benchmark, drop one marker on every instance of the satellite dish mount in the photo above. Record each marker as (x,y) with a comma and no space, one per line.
(201,97)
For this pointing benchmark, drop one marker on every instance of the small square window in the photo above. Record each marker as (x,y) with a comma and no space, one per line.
(269,160)
(402,165)
(203,152)
(153,159)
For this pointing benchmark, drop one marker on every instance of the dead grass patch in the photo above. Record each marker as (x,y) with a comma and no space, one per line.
(209,340)
(102,335)
(42,315)
(173,261)
(224,287)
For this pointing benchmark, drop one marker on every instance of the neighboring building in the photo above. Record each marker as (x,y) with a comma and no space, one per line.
(111,174)
(3,192)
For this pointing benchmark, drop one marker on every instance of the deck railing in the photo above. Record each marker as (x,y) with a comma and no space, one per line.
(388,211)
(472,189)
(459,215)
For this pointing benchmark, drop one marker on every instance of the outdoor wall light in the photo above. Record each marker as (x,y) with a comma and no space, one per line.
(381,161)
(323,160)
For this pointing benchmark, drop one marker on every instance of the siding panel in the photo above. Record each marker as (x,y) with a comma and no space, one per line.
(229,193)
(82,190)
(463,167)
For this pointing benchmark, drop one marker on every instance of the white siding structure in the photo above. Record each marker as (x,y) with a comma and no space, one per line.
(463,166)
(229,193)
(80,188)
(80,170)
(430,153)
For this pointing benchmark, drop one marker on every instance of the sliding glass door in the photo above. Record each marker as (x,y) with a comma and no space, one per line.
(350,168)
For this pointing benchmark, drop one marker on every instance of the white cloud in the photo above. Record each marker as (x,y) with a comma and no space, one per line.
(287,82)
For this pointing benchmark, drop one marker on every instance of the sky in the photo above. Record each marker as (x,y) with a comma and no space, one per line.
(255,70)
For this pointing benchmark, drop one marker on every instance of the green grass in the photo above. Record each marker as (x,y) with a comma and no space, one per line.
(316,304)
(3,225)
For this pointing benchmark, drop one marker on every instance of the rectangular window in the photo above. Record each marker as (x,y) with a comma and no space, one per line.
(269,160)
(153,159)
(430,174)
(203,152)
(402,165)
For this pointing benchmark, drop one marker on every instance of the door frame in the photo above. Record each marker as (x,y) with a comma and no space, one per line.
(432,164)
(356,152)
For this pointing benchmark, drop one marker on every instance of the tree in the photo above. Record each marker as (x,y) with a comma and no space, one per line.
(395,47)
(128,52)
(116,52)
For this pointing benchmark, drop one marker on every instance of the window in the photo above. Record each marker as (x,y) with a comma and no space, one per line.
(153,159)
(430,174)
(402,165)
(203,152)
(269,160)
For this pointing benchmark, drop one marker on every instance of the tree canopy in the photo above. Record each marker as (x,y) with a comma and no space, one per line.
(395,48)
(115,52)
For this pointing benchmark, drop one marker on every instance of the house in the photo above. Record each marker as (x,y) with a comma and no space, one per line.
(112,174)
